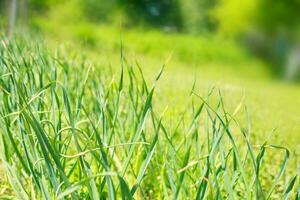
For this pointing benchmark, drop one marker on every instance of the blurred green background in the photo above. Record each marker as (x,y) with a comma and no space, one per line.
(250,48)
(267,29)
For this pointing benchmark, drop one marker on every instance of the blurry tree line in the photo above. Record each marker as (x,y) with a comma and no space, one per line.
(270,28)
(190,16)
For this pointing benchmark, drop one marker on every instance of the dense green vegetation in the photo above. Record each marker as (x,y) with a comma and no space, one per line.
(148,100)
(73,129)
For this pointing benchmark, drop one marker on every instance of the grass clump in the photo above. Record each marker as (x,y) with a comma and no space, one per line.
(73,130)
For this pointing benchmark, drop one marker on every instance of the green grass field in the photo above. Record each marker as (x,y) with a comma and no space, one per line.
(83,119)
(211,61)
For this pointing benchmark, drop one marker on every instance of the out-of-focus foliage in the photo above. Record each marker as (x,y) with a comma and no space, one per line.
(99,10)
(154,12)
(173,15)
(233,16)
(229,17)
(38,5)
(2,13)
(134,12)
(196,16)
(269,28)
(276,15)
(1,6)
